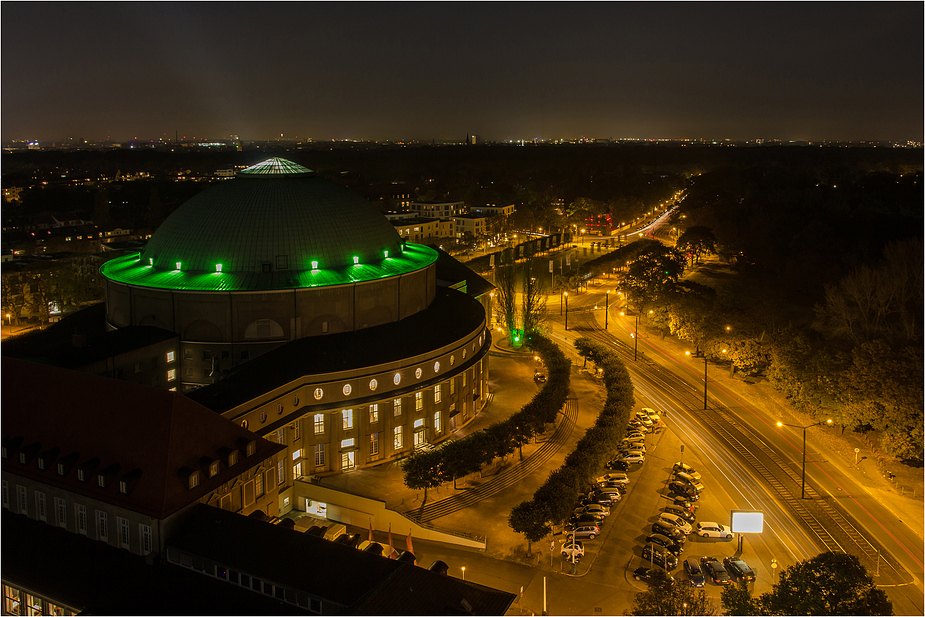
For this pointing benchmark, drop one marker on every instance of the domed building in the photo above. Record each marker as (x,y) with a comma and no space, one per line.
(303,316)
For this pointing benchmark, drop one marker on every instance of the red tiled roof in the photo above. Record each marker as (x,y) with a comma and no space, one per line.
(136,427)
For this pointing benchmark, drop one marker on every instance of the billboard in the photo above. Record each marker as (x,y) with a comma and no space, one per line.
(747,522)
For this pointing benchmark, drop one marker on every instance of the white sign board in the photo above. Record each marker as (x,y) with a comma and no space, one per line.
(747,522)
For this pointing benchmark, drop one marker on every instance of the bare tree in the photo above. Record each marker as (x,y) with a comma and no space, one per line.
(534,300)
(507,295)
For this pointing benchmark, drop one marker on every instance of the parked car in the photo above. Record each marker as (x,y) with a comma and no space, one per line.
(684,502)
(738,569)
(685,468)
(593,508)
(633,445)
(651,414)
(636,434)
(572,548)
(616,476)
(615,492)
(644,574)
(539,378)
(660,556)
(689,480)
(671,545)
(645,420)
(694,572)
(676,488)
(617,465)
(677,521)
(631,442)
(633,456)
(682,512)
(638,425)
(604,499)
(586,519)
(709,529)
(584,531)
(667,529)
(714,570)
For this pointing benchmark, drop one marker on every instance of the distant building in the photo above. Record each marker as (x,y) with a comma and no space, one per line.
(438,209)
(493,210)
(475,224)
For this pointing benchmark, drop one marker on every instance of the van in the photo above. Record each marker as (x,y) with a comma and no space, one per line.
(677,521)
(334,531)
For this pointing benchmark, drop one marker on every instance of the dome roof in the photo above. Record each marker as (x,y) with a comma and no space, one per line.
(275,215)
(275,225)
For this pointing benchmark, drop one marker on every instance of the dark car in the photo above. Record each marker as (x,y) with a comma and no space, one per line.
(684,502)
(738,569)
(694,572)
(539,378)
(659,556)
(586,519)
(685,468)
(684,513)
(671,545)
(714,570)
(604,499)
(676,488)
(616,465)
(644,574)
(667,529)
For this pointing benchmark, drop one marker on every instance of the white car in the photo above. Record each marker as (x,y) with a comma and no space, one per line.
(676,520)
(633,456)
(651,414)
(709,529)
(617,476)
(574,549)
(592,508)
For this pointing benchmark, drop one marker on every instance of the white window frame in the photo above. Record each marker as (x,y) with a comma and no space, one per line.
(398,438)
(102,526)
(348,460)
(60,512)
(22,500)
(418,401)
(125,536)
(318,455)
(147,538)
(348,419)
(80,515)
(374,444)
(438,426)
(41,507)
(318,423)
(374,413)
(396,407)
(281,472)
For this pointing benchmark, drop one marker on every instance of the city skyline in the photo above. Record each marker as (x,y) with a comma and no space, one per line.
(148,71)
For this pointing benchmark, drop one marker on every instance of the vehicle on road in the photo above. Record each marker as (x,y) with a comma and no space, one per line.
(676,488)
(667,529)
(539,378)
(677,521)
(694,572)
(738,569)
(615,476)
(633,456)
(671,545)
(714,570)
(659,556)
(682,512)
(685,468)
(584,531)
(709,529)
(573,548)
(689,480)
(617,465)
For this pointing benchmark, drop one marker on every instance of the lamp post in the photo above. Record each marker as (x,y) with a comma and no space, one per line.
(606,308)
(565,293)
(464,573)
(687,353)
(803,483)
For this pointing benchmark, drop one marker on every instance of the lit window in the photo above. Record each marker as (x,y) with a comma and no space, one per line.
(319,455)
(296,454)
(348,419)
(179,264)
(213,469)
(438,395)
(397,437)
(314,265)
(356,260)
(437,426)
(373,444)
(172,374)
(319,424)
(396,407)
(347,443)
(373,413)
(258,484)
(418,401)
(348,460)
(232,458)
(218,267)
(171,356)
(386,254)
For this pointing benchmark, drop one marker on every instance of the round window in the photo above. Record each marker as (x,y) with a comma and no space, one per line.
(318,394)
(347,389)
(279,409)
(436,367)
(397,379)
(464,354)
(263,416)
(373,384)
(295,400)
(452,360)
(417,373)
(243,423)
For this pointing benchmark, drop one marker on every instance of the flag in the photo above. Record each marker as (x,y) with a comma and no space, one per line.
(370,530)
(408,542)
(391,548)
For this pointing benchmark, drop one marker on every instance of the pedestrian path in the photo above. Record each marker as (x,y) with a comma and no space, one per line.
(507,478)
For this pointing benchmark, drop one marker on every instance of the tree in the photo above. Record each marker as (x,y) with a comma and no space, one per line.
(697,240)
(736,599)
(534,299)
(667,596)
(653,274)
(828,584)
(423,470)
(530,519)
(507,296)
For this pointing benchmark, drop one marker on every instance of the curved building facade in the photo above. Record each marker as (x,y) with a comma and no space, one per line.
(362,356)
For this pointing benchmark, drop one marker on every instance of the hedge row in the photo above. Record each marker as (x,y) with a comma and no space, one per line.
(555,499)
(460,457)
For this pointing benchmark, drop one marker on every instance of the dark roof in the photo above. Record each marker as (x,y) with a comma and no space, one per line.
(58,344)
(449,317)
(102,580)
(452,271)
(137,428)
(363,583)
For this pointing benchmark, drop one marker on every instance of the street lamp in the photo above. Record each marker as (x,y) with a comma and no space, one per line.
(606,309)
(464,572)
(10,319)
(803,483)
(687,353)
(565,293)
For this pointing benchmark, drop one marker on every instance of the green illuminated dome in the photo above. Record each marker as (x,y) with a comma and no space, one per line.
(274,217)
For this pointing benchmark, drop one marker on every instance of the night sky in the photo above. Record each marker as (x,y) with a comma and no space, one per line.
(851,71)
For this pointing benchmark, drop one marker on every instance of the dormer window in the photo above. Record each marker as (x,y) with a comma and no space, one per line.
(123,487)
(101,480)
(61,469)
(82,475)
(213,469)
(128,481)
(41,464)
(194,479)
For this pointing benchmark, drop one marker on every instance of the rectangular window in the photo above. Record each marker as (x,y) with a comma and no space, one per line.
(373,413)
(171,356)
(102,526)
(438,396)
(437,425)
(281,472)
(41,509)
(319,455)
(418,401)
(147,538)
(248,493)
(348,460)
(123,533)
(6,495)
(296,454)
(419,423)
(172,374)
(60,512)
(258,484)
(452,386)
(374,444)
(80,513)
(348,419)
(297,430)
(397,438)
(396,407)
(297,470)
(347,443)
(319,424)
(465,376)
(21,498)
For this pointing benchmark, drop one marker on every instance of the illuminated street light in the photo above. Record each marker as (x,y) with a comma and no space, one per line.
(687,353)
(607,309)
(803,483)
(565,293)
(464,573)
